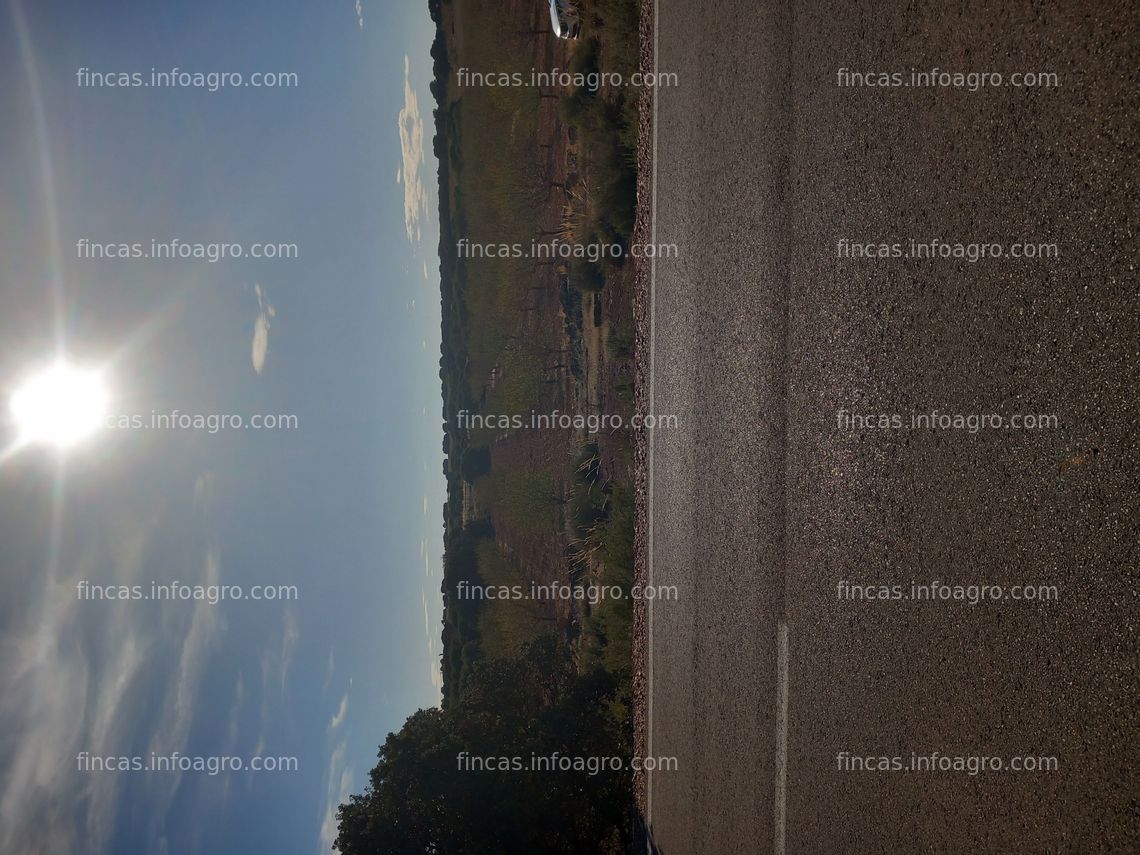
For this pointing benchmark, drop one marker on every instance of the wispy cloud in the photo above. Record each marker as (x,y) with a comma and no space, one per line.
(412,152)
(435,668)
(233,729)
(44,703)
(259,349)
(338,787)
(180,705)
(84,676)
(235,713)
(359,14)
(289,638)
(338,719)
(330,669)
(275,659)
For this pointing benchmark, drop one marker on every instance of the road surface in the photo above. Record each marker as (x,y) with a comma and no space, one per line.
(784,486)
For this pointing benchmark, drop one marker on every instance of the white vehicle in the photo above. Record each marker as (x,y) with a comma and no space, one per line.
(564,19)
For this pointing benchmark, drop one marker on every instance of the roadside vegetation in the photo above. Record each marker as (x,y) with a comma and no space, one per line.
(516,165)
(476,777)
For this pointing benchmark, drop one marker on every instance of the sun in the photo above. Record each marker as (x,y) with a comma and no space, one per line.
(60,406)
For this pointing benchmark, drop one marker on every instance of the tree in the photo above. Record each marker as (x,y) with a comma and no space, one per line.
(435,788)
(476,462)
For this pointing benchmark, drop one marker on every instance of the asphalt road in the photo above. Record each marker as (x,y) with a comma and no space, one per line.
(765,501)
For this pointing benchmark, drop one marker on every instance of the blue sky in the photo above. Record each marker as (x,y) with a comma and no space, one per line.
(346,337)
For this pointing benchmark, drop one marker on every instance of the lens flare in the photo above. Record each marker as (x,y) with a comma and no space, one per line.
(60,406)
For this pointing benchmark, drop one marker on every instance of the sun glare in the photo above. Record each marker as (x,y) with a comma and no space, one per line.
(60,406)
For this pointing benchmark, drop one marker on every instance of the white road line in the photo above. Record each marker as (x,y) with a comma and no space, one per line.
(649,441)
(780,800)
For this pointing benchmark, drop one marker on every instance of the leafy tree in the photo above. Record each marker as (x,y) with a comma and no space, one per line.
(476,462)
(422,797)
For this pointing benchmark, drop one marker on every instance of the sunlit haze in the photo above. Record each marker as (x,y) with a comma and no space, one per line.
(60,405)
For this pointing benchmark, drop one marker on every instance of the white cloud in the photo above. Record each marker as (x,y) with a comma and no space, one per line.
(259,349)
(338,787)
(180,706)
(235,713)
(289,639)
(359,14)
(72,681)
(412,151)
(204,489)
(435,668)
(338,719)
(45,698)
(275,660)
(330,669)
